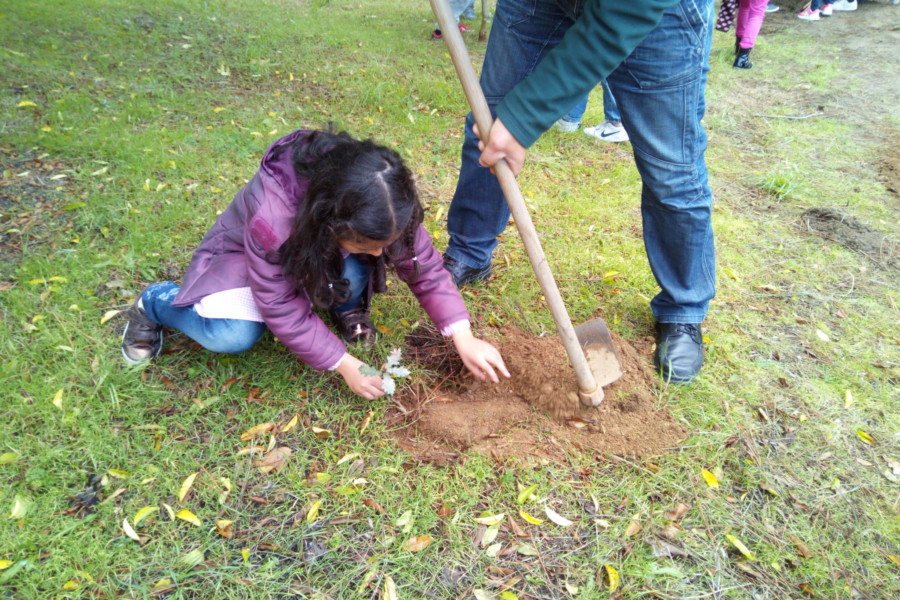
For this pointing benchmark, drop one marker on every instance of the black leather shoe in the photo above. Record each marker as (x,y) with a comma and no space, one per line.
(463,275)
(679,351)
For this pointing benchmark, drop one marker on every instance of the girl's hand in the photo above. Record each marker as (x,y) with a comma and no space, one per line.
(479,357)
(367,386)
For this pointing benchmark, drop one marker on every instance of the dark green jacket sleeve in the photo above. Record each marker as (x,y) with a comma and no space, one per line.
(602,37)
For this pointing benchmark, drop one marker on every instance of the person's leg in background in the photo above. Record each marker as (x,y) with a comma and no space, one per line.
(478,212)
(572,121)
(660,93)
(611,130)
(813,11)
(750,16)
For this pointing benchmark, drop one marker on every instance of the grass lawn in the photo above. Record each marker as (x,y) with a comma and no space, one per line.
(126,127)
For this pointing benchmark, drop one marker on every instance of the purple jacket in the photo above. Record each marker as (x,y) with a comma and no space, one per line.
(242,249)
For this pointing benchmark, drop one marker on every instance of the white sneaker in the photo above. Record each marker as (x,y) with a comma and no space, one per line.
(845,5)
(566,126)
(826,10)
(607,132)
(809,15)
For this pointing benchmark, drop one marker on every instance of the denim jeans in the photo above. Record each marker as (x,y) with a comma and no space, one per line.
(231,336)
(610,109)
(659,89)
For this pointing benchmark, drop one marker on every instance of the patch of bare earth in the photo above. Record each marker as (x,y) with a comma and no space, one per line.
(535,415)
(851,233)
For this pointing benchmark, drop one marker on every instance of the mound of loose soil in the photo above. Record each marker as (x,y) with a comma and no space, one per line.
(536,413)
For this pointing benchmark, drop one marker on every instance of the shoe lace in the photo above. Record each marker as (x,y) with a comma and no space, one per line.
(690,329)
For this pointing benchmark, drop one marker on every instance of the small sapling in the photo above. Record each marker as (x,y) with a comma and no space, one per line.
(391,369)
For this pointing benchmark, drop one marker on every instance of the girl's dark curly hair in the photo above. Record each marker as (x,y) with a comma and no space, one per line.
(358,191)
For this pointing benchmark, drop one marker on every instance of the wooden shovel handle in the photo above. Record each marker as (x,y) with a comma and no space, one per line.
(474,94)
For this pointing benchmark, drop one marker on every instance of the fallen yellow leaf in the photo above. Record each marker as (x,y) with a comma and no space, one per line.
(58,398)
(556,517)
(257,431)
(129,531)
(415,544)
(186,486)
(490,519)
(70,585)
(144,513)
(186,515)
(108,315)
(223,526)
(634,526)
(710,479)
(526,494)
(740,546)
(612,578)
(865,437)
(313,513)
(20,508)
(290,425)
(529,518)
(321,433)
(5,564)
(390,589)
(25,103)
(348,457)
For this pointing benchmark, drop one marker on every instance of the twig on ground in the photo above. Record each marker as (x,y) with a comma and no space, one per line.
(813,114)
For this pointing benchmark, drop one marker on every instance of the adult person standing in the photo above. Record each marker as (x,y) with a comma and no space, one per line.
(545,55)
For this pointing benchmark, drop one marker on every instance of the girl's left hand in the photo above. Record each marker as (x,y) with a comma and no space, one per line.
(480,357)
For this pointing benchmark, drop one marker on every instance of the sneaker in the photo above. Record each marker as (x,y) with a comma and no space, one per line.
(826,10)
(809,15)
(463,28)
(436,34)
(844,5)
(608,132)
(354,326)
(142,338)
(566,126)
(770,8)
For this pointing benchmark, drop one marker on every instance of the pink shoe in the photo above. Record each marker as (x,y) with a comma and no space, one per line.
(809,15)
(826,10)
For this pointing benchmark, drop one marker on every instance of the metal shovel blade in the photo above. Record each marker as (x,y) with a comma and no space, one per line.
(600,351)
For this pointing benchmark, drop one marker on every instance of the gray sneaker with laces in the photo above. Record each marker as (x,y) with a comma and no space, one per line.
(142,338)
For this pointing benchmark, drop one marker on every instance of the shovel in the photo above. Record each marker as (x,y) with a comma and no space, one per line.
(589,346)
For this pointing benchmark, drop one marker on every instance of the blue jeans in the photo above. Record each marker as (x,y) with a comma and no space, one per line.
(660,92)
(610,108)
(231,336)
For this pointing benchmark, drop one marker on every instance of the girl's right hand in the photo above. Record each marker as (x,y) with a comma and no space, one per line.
(367,386)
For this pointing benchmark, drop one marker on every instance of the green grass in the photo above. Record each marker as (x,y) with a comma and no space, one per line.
(147,119)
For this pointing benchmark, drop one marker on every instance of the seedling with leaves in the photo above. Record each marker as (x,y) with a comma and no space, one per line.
(390,370)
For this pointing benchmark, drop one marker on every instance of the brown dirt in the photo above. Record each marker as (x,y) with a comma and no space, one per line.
(536,414)
(851,233)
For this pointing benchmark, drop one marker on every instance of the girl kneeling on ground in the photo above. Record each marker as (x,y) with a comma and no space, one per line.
(314,228)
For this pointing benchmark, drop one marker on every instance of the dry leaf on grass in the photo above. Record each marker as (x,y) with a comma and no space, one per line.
(274,460)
